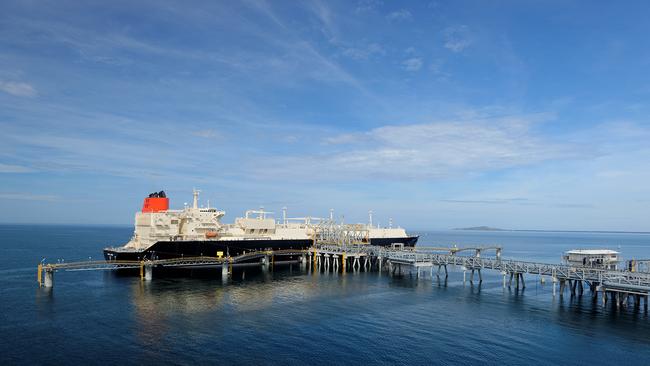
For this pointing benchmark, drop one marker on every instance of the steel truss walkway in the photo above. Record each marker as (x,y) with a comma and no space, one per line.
(620,284)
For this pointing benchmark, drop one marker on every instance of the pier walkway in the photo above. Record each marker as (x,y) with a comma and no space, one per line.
(619,284)
(45,272)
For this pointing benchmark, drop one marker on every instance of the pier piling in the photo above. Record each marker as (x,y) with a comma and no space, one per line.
(148,271)
(224,272)
(517,281)
(48,277)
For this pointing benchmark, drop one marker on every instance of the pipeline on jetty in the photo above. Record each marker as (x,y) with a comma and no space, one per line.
(619,286)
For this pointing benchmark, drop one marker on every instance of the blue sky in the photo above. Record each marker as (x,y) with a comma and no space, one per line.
(515,114)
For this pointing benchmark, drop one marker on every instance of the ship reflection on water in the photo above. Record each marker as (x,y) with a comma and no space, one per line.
(201,297)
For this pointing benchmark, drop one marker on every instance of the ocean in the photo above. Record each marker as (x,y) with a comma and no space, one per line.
(289,316)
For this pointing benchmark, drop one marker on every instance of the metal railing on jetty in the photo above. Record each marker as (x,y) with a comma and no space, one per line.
(620,286)
(45,271)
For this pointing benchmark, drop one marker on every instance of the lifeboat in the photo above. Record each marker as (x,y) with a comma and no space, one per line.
(211,234)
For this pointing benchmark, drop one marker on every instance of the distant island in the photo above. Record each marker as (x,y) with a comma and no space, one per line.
(481,228)
(488,228)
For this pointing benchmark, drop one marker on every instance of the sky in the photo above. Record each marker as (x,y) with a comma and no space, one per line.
(437,114)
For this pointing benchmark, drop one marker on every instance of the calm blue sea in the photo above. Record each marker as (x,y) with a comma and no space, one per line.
(292,317)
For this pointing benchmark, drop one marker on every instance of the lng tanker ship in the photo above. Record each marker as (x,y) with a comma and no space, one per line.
(196,231)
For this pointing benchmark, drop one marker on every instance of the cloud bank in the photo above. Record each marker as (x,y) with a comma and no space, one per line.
(18,89)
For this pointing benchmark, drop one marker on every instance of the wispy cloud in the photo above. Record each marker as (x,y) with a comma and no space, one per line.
(19,89)
(435,150)
(399,15)
(207,134)
(264,7)
(412,64)
(325,16)
(457,38)
(8,168)
(495,201)
(29,197)
(290,58)
(575,205)
(364,52)
(365,6)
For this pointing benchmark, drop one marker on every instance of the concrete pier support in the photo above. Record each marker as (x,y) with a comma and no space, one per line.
(148,271)
(471,276)
(224,272)
(265,263)
(554,284)
(573,284)
(517,281)
(48,280)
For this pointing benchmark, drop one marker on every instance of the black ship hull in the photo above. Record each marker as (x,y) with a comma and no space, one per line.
(212,248)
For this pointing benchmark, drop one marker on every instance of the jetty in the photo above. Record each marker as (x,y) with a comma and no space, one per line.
(621,287)
(618,285)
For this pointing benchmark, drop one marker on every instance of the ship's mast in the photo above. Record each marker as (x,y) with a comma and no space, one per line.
(195,193)
(370,218)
